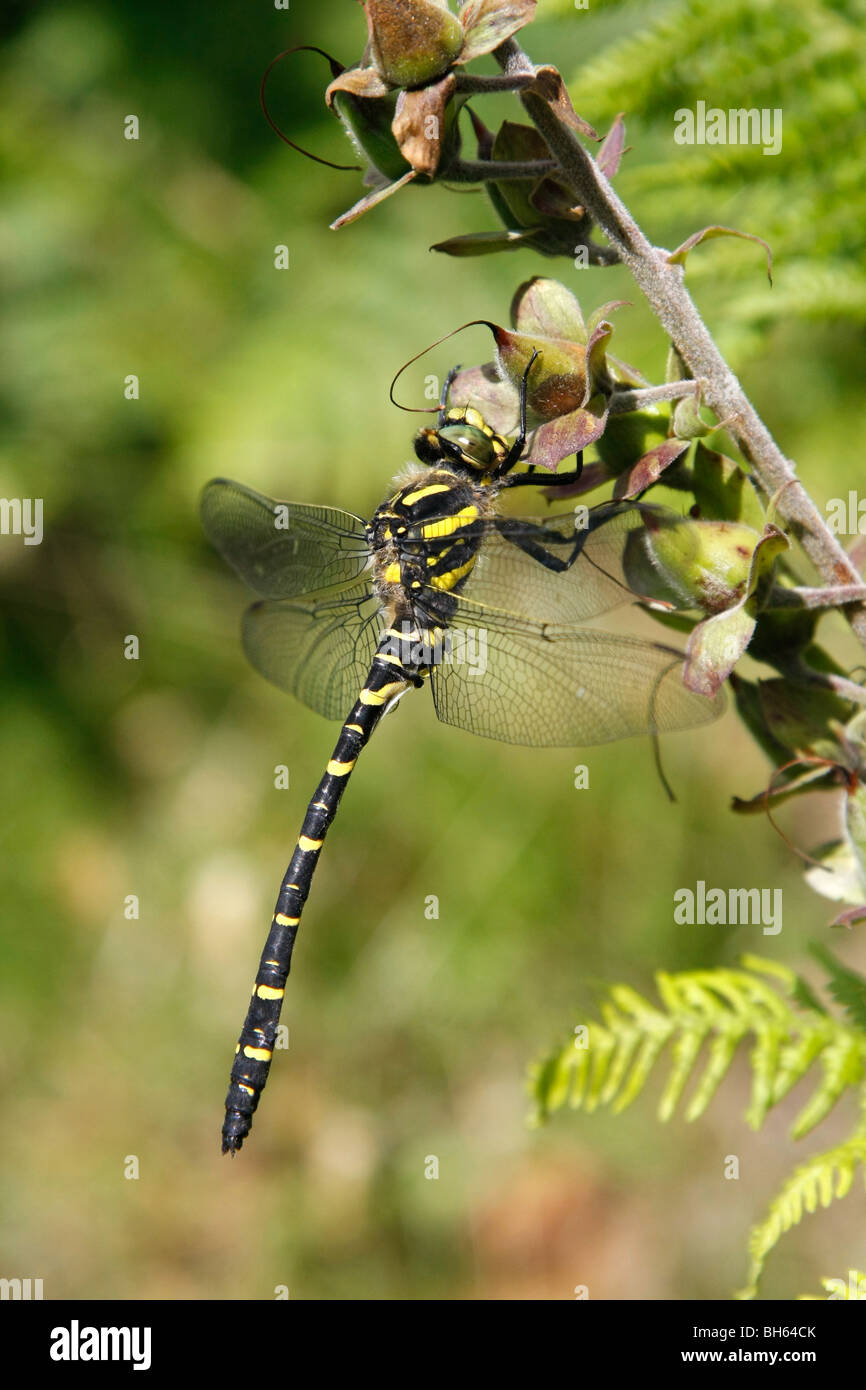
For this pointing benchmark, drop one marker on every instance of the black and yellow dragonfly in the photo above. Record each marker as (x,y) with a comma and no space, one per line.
(441,587)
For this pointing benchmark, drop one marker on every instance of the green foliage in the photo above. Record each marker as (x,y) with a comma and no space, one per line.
(818,1182)
(156,257)
(847,987)
(853,1288)
(709,1013)
(806,59)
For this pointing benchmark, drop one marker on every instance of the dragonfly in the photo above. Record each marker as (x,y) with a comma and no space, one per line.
(444,588)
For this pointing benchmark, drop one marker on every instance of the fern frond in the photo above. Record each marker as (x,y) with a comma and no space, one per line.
(705,1014)
(822,1179)
(805,59)
(710,1012)
(853,1288)
(847,987)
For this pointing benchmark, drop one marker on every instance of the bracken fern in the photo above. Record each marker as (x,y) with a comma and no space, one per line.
(807,58)
(704,1017)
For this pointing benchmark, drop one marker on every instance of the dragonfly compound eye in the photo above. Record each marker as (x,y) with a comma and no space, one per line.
(467,444)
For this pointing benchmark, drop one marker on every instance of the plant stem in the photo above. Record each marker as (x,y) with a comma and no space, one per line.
(625,398)
(665,291)
(481,170)
(471,83)
(802,596)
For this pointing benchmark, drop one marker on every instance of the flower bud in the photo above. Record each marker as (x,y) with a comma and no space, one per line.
(694,564)
(368,123)
(412,41)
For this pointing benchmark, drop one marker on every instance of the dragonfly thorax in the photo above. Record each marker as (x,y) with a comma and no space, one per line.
(424,542)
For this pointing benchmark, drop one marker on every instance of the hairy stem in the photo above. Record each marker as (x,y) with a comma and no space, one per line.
(803,596)
(480,83)
(479,170)
(625,399)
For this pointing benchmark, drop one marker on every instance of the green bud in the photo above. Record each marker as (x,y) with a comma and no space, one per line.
(545,307)
(695,564)
(545,207)
(412,43)
(368,122)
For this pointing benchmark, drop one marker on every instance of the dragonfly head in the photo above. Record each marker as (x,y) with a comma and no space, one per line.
(463,440)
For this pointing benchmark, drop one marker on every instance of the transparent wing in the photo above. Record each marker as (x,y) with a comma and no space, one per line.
(283,549)
(319,651)
(547,685)
(509,578)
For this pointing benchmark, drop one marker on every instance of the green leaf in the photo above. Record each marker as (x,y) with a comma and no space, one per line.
(648,469)
(483,243)
(852,1287)
(847,987)
(371,200)
(545,308)
(678,257)
(717,644)
(842,1064)
(722,1007)
(721,1054)
(824,1178)
(488,23)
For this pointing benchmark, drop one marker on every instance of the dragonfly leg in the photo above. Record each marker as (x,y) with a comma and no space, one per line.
(536,542)
(514,453)
(533,479)
(446,390)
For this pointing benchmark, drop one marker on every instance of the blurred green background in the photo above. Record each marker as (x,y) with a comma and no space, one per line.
(409,1037)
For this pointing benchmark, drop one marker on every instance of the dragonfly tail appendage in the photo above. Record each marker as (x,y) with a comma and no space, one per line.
(259,1034)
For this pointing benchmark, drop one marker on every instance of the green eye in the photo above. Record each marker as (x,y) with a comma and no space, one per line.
(474,445)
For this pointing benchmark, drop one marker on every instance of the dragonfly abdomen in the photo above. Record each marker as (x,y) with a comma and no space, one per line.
(388,679)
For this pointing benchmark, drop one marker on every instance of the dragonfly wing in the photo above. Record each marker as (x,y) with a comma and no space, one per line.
(283,549)
(511,578)
(319,651)
(546,685)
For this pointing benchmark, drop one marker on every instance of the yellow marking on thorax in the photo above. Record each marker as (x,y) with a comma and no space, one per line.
(447,525)
(308,845)
(420,493)
(452,577)
(338,769)
(391,574)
